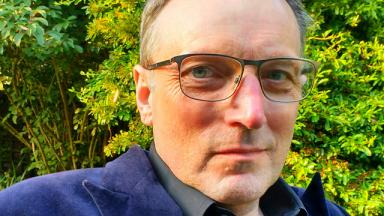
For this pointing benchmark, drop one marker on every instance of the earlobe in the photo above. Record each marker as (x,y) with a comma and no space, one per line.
(143,94)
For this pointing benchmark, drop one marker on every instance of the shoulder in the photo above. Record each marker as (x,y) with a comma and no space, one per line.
(49,194)
(86,191)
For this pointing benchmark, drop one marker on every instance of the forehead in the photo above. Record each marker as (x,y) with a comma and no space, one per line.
(243,28)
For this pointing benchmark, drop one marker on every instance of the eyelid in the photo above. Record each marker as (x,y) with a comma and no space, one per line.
(189,68)
(214,68)
(204,68)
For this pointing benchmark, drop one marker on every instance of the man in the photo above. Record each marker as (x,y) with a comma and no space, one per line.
(220,83)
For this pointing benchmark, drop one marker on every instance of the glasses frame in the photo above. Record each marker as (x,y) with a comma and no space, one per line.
(243,62)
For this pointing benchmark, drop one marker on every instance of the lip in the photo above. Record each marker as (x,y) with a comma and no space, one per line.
(241,153)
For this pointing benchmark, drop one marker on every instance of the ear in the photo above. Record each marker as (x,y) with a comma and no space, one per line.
(143,94)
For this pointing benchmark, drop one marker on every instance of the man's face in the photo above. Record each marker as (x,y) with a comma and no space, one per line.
(232,150)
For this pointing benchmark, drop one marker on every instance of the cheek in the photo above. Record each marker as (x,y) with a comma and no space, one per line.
(179,125)
(281,120)
(182,112)
(177,118)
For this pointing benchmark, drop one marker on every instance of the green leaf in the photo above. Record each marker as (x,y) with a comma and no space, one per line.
(39,35)
(5,33)
(18,38)
(78,48)
(327,125)
(41,20)
(3,24)
(41,10)
(71,18)
(28,111)
(55,34)
(14,119)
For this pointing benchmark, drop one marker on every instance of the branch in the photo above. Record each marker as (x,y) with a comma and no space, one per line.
(14,132)
(66,114)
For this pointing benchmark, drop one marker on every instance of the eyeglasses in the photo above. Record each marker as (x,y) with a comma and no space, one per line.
(215,77)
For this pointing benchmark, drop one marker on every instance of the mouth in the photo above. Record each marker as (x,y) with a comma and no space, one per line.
(241,153)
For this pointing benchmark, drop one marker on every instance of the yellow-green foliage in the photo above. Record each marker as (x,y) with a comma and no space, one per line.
(339,131)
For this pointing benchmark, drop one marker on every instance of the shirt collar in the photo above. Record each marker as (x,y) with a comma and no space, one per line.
(279,199)
(191,201)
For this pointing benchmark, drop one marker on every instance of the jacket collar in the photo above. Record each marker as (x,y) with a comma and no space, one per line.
(129,186)
(281,199)
(314,197)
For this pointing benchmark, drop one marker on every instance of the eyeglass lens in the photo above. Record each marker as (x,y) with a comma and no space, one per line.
(213,78)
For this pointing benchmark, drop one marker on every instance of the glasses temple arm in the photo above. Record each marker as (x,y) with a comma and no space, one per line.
(160,64)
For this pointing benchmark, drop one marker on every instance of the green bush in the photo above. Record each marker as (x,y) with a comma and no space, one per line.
(339,131)
(67,93)
(42,52)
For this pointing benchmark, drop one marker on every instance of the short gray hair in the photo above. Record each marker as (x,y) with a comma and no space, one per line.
(153,8)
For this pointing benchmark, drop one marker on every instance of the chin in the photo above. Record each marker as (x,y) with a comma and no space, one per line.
(240,189)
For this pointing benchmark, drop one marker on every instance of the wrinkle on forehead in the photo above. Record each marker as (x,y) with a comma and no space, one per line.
(233,48)
(182,24)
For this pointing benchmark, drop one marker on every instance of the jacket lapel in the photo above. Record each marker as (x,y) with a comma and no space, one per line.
(314,197)
(129,186)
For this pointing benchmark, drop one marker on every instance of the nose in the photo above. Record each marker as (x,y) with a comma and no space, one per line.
(247,104)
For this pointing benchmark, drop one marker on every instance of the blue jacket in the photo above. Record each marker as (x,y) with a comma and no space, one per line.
(126,186)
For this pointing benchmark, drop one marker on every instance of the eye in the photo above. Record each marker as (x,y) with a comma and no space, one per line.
(201,72)
(277,75)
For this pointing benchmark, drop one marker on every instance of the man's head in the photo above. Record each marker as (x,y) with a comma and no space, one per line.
(231,150)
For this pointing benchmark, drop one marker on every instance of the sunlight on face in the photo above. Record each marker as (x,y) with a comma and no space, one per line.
(232,150)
